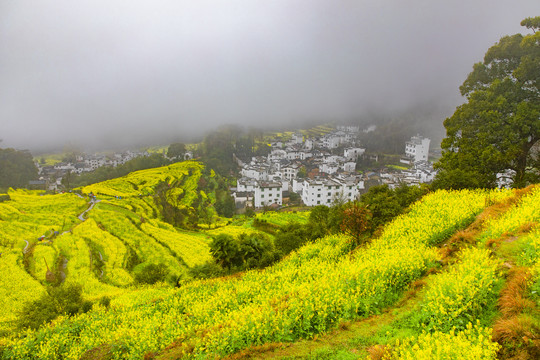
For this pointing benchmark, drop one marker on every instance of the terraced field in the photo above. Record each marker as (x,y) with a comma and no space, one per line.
(310,292)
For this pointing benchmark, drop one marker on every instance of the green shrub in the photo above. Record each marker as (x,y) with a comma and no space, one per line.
(152,273)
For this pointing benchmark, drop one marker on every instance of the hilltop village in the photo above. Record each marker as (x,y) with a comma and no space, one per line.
(322,170)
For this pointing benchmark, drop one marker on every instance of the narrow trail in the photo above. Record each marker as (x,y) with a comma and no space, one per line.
(26,247)
(92,203)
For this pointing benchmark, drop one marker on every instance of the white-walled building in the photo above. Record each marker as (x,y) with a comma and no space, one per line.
(246,185)
(255,172)
(349,166)
(276,155)
(268,193)
(290,171)
(324,191)
(329,168)
(353,153)
(331,141)
(417,148)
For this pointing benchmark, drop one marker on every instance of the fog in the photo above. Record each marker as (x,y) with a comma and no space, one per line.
(119,73)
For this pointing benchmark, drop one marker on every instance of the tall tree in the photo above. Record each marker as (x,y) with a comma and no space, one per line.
(16,168)
(499,125)
(176,150)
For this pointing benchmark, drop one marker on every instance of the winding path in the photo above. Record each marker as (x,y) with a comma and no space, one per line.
(26,247)
(92,203)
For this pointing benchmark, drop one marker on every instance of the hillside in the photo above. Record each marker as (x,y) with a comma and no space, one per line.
(459,256)
(107,241)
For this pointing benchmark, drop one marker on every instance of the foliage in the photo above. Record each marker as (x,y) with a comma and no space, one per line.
(225,250)
(385,203)
(292,236)
(152,273)
(498,126)
(356,221)
(248,250)
(16,168)
(63,300)
(176,150)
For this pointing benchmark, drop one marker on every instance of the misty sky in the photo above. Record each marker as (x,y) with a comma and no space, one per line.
(114,73)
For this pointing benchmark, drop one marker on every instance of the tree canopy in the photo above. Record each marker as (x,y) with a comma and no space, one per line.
(498,128)
(176,150)
(16,168)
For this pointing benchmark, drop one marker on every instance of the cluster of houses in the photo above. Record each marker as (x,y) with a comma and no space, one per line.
(313,169)
(50,176)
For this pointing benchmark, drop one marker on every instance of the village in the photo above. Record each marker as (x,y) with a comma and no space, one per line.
(316,170)
(312,169)
(50,176)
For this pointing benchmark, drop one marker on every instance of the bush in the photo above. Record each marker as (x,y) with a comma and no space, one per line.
(152,273)
(206,271)
(66,299)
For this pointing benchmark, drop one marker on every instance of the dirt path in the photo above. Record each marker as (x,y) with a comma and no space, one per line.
(92,203)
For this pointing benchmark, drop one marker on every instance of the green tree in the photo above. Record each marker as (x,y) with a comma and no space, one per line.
(385,203)
(226,251)
(16,168)
(66,299)
(176,151)
(302,172)
(255,249)
(152,273)
(499,125)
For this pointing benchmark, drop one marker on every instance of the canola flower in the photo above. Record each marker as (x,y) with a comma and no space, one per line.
(460,293)
(526,211)
(472,343)
(310,291)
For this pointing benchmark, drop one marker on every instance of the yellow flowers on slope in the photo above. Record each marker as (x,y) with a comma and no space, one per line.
(472,343)
(307,293)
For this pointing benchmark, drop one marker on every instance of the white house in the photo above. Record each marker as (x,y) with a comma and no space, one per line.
(349,166)
(291,171)
(277,154)
(255,172)
(329,168)
(324,191)
(353,153)
(319,191)
(246,185)
(331,141)
(417,148)
(268,193)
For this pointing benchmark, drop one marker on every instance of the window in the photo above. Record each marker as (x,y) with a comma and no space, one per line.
(262,196)
(318,202)
(318,195)
(277,195)
(329,194)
